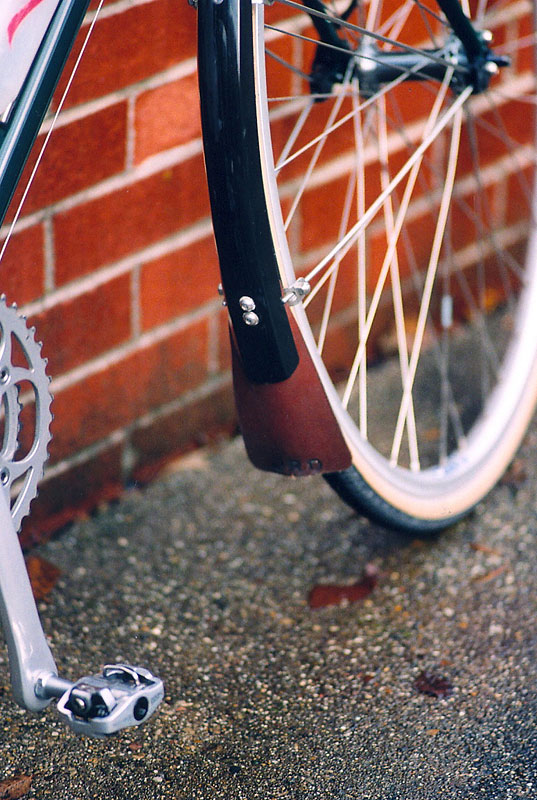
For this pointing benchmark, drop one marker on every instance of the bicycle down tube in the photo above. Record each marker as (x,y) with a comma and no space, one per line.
(22,121)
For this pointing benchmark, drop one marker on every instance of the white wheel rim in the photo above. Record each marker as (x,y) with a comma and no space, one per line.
(449,489)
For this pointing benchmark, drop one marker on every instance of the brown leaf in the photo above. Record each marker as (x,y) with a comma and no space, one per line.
(15,787)
(433,685)
(484,548)
(515,475)
(489,576)
(332,594)
(43,576)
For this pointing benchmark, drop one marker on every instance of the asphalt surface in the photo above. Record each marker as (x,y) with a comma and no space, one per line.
(204,577)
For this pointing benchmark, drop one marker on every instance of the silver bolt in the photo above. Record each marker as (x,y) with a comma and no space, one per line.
(221,293)
(492,67)
(488,36)
(250,318)
(446,311)
(246,303)
(295,293)
(80,703)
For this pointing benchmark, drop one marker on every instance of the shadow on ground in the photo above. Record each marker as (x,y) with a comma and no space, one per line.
(204,577)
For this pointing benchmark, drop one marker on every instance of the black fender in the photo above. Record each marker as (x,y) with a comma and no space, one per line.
(246,250)
(286,420)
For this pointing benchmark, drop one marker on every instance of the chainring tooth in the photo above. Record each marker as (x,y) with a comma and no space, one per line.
(29,469)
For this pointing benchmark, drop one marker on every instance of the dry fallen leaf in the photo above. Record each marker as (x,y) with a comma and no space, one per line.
(433,685)
(331,594)
(489,576)
(15,787)
(43,576)
(479,547)
(515,475)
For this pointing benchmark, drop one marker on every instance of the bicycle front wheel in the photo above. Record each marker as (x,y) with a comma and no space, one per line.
(402,191)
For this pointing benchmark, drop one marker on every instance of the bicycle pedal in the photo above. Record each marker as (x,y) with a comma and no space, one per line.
(122,696)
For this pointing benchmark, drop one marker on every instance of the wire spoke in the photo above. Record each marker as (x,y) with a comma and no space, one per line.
(430,133)
(368,33)
(397,295)
(429,283)
(362,271)
(373,209)
(516,45)
(271,54)
(343,121)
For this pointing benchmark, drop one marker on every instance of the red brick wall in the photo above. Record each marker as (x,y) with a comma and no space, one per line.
(114,260)
(114,264)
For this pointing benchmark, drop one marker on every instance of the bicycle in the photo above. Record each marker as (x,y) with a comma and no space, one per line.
(423,264)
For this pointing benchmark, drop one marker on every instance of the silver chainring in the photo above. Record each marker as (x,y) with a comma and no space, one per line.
(25,415)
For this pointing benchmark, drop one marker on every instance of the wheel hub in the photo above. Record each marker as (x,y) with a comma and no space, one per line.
(374,68)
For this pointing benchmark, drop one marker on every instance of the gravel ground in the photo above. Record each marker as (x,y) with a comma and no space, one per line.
(204,577)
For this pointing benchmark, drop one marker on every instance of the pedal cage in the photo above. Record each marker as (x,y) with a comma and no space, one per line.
(100,705)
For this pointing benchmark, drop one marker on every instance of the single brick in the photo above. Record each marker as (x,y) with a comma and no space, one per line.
(178,282)
(22,267)
(129,46)
(80,329)
(171,434)
(110,227)
(115,397)
(77,156)
(166,117)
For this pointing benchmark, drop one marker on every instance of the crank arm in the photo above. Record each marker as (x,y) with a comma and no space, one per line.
(97,705)
(29,653)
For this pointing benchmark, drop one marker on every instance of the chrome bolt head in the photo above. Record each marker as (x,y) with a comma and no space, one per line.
(250,318)
(221,293)
(246,303)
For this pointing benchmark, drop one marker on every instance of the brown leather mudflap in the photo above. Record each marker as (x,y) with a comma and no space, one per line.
(289,427)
